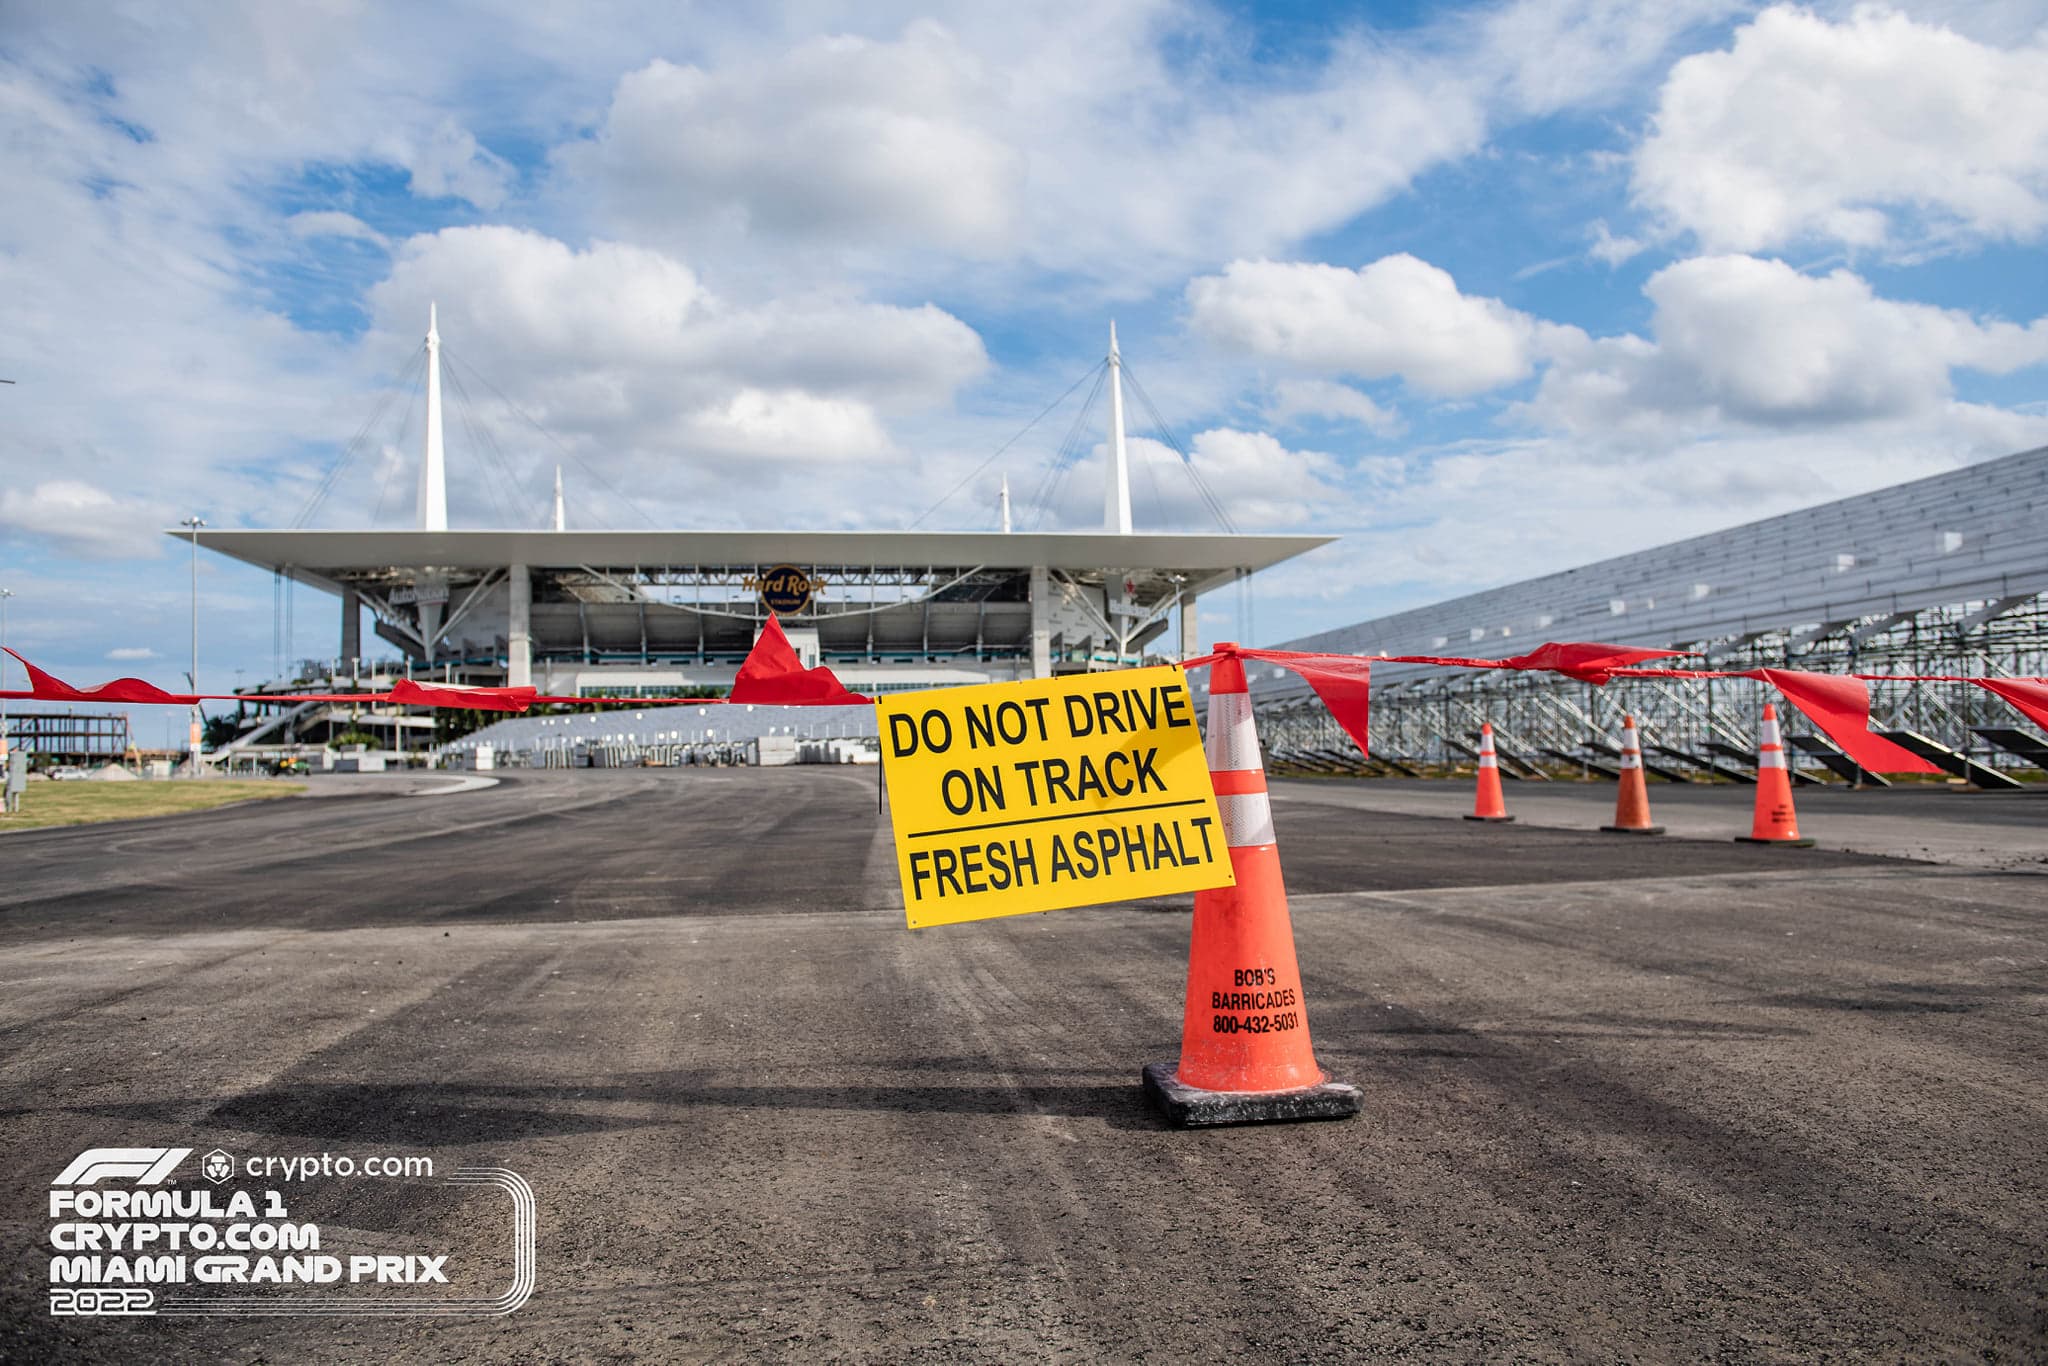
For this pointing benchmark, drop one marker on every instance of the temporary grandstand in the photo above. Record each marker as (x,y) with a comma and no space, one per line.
(1940,576)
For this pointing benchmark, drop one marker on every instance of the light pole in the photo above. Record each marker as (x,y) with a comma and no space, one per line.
(193,524)
(5,594)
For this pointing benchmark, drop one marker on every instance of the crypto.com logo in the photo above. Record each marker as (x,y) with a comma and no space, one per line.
(147,1166)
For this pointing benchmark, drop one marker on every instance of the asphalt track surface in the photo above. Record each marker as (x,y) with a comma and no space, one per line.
(1627,1099)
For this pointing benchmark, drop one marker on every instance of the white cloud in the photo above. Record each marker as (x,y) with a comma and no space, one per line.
(1119,144)
(125,653)
(1298,398)
(1558,54)
(83,519)
(788,425)
(1747,341)
(837,137)
(1064,140)
(1612,250)
(449,162)
(623,353)
(331,223)
(1260,483)
(1397,316)
(1877,131)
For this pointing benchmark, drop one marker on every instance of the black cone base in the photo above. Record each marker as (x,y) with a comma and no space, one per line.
(1790,844)
(1187,1107)
(1496,820)
(1633,829)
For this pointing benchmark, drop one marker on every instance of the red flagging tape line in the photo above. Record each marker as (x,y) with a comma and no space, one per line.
(1839,704)
(771,676)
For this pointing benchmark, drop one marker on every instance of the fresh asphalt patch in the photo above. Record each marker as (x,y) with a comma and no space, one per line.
(1635,1098)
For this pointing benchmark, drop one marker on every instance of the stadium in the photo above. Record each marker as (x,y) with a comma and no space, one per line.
(661,613)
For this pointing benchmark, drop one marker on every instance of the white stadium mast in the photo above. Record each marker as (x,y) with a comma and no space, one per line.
(1116,495)
(1116,505)
(434,466)
(431,585)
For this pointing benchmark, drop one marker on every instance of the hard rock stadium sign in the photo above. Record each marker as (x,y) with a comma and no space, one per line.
(785,589)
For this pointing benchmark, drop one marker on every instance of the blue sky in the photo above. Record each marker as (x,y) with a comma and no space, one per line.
(1485,290)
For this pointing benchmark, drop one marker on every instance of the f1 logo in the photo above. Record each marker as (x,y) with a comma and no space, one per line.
(147,1166)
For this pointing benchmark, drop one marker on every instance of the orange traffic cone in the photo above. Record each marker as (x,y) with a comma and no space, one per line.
(1245,1056)
(1489,804)
(1775,822)
(1632,805)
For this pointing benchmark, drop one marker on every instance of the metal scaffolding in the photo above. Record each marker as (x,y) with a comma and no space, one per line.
(70,737)
(1943,576)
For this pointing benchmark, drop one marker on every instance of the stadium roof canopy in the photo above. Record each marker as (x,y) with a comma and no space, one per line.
(341,555)
(922,607)
(1974,535)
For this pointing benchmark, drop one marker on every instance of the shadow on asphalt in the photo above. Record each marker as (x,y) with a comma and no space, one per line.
(433,1114)
(1905,998)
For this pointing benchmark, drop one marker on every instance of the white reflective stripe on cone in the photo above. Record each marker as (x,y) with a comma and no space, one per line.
(1233,741)
(1770,758)
(1769,734)
(1487,759)
(1247,819)
(1631,759)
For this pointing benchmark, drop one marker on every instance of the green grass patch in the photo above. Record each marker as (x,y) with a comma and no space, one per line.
(87,803)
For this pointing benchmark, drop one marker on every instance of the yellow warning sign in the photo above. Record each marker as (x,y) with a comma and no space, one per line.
(1017,797)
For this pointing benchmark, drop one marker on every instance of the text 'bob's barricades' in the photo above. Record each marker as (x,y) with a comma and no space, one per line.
(1488,804)
(1632,799)
(1775,821)
(1245,1056)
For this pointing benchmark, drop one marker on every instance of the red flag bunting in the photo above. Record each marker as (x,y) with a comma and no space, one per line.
(414,694)
(50,688)
(1841,708)
(1589,663)
(1343,682)
(2030,695)
(775,677)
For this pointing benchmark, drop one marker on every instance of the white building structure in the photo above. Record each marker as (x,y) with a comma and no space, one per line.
(651,612)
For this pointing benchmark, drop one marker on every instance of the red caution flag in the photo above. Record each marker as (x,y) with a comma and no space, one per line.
(414,694)
(46,687)
(1841,708)
(773,676)
(1343,682)
(1588,662)
(2030,695)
